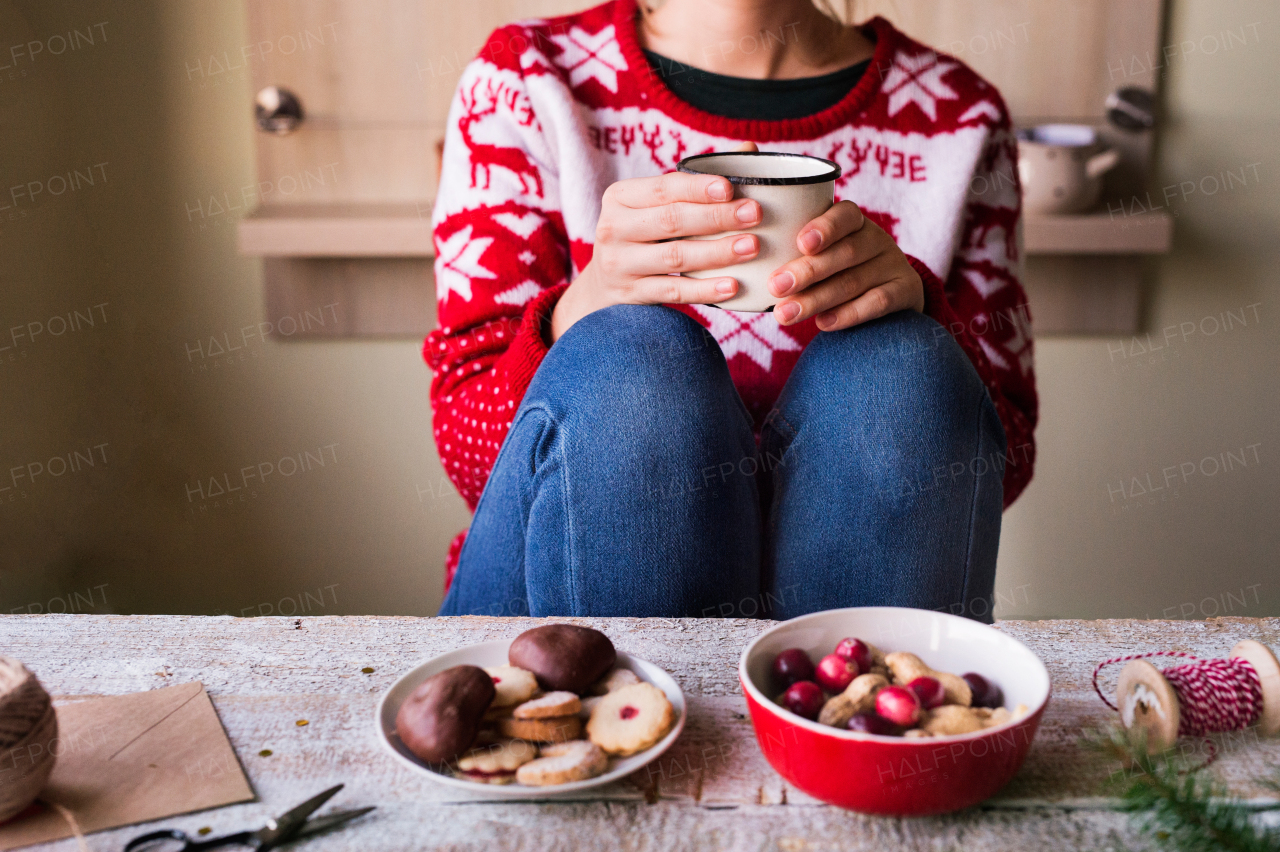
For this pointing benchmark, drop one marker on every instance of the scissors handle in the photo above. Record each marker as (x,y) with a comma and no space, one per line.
(243,838)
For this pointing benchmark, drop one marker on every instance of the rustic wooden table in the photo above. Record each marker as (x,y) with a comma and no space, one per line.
(712,791)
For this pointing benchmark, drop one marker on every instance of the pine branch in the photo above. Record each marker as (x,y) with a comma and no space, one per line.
(1178,806)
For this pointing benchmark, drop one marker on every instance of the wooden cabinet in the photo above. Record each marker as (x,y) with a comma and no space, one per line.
(376,78)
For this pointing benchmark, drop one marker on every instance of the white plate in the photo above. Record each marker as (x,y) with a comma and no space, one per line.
(495,654)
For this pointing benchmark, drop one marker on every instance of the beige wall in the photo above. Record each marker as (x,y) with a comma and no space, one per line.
(367,531)
(1071,546)
(355,532)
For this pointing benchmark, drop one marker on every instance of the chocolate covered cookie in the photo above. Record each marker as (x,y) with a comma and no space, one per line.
(440,719)
(563,656)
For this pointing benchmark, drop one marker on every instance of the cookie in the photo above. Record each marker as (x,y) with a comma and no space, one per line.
(549,706)
(496,763)
(615,679)
(557,729)
(563,656)
(493,714)
(514,685)
(441,718)
(631,719)
(589,703)
(487,735)
(562,763)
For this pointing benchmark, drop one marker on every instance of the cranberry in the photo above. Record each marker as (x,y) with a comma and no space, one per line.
(835,673)
(871,723)
(985,693)
(804,698)
(855,651)
(929,691)
(899,705)
(790,666)
(628,712)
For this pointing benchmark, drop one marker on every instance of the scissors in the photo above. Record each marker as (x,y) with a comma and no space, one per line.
(289,826)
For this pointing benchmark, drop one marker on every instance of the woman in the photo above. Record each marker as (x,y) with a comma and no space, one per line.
(629,450)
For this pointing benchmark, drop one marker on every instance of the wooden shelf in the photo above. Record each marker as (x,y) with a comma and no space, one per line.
(1098,234)
(347,229)
(404,230)
(1083,272)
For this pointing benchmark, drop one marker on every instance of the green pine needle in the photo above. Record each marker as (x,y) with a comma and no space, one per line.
(1176,805)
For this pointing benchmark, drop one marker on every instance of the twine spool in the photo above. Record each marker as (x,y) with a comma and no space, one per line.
(28,729)
(1198,698)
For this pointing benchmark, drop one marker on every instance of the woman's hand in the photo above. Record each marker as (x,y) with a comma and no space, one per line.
(851,272)
(638,245)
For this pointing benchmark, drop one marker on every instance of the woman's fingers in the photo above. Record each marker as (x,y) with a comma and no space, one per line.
(843,287)
(687,255)
(798,275)
(679,290)
(842,219)
(683,219)
(665,189)
(873,304)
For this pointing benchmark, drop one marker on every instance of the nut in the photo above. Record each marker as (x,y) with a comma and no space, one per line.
(951,719)
(858,697)
(907,667)
(1002,716)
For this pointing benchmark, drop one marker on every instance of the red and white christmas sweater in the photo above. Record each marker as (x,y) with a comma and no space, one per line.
(552,111)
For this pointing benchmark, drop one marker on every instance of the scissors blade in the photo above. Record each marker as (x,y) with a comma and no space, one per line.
(328,821)
(284,827)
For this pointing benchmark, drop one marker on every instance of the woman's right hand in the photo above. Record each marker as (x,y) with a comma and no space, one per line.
(638,245)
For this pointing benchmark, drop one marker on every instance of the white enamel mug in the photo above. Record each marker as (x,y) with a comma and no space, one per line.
(792,189)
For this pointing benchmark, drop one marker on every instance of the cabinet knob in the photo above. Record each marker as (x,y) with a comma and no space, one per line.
(277,110)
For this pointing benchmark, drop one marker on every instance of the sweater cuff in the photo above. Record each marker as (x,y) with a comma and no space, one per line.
(935,299)
(530,344)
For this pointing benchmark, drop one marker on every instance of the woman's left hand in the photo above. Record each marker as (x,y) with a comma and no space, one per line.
(851,272)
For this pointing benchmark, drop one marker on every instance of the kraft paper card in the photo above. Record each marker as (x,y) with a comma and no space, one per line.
(128,759)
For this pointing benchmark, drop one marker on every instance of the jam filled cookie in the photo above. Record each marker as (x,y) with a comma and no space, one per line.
(549,706)
(513,685)
(496,763)
(556,729)
(631,719)
(615,679)
(562,763)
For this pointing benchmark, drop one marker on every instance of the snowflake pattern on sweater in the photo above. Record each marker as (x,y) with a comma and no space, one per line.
(555,110)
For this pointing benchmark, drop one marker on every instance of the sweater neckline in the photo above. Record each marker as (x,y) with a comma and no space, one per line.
(748,84)
(753,130)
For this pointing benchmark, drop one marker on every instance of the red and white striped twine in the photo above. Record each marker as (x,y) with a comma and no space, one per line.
(1213,695)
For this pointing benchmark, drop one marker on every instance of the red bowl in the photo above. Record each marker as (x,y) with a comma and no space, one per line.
(892,776)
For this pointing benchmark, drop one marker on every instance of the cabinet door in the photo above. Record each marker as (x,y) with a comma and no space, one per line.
(375,78)
(1051,59)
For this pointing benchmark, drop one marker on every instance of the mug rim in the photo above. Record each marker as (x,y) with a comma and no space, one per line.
(825,177)
(1030,135)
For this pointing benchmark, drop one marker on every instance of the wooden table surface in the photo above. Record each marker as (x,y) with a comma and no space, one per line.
(712,791)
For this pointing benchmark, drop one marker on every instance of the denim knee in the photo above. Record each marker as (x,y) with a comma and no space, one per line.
(905,362)
(650,339)
(643,377)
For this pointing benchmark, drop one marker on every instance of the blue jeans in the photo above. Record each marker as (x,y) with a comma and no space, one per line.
(631,483)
